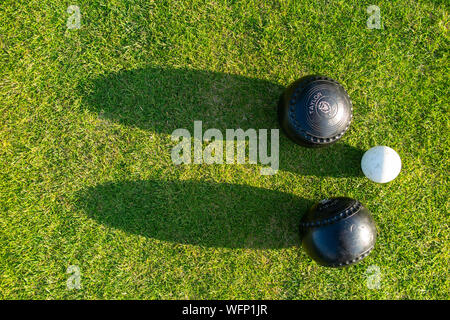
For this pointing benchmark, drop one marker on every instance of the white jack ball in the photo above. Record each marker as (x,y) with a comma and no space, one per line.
(381,164)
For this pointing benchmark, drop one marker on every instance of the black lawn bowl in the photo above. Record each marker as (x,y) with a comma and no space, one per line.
(338,232)
(315,111)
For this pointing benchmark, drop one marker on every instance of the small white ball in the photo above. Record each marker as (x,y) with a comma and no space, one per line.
(381,164)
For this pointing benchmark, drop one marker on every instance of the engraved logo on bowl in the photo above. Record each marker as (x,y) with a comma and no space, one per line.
(326,107)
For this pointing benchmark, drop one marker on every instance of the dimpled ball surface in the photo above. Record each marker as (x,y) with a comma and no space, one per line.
(315,111)
(381,164)
(338,232)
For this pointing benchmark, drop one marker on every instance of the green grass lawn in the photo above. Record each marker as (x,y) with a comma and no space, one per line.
(86,176)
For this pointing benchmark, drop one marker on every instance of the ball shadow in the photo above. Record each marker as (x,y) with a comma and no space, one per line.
(198,213)
(164,99)
(338,160)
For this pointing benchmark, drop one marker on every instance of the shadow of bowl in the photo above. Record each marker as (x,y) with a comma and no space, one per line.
(163,100)
(198,213)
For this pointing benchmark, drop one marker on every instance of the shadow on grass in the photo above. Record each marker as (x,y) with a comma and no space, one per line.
(162,100)
(199,213)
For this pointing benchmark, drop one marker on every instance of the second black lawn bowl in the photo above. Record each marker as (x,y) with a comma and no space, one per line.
(338,232)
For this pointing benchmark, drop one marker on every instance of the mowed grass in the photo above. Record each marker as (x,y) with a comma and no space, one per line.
(86,176)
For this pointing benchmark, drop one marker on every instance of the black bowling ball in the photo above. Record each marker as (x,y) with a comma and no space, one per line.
(315,111)
(338,232)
